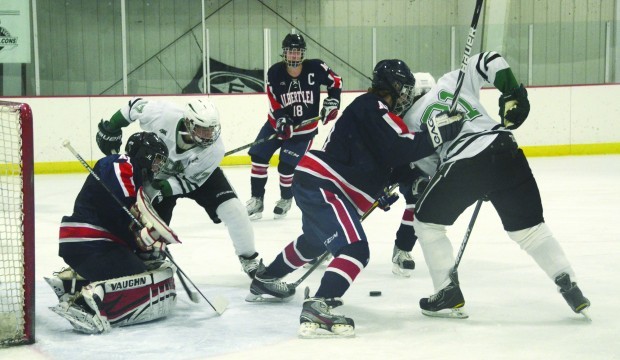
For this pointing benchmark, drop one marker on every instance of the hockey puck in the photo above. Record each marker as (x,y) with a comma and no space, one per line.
(375,293)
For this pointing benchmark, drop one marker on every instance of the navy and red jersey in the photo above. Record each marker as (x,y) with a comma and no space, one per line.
(97,217)
(364,145)
(299,97)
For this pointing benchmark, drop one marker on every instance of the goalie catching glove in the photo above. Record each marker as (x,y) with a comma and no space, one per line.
(109,140)
(443,127)
(154,228)
(514,108)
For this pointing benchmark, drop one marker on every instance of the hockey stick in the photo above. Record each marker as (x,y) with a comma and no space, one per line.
(322,258)
(220,305)
(468,45)
(453,273)
(260,141)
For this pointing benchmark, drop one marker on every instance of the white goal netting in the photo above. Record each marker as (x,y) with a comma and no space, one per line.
(16,225)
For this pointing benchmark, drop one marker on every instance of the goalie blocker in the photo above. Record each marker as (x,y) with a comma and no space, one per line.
(123,301)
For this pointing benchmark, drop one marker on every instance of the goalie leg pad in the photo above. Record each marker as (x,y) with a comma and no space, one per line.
(66,283)
(134,299)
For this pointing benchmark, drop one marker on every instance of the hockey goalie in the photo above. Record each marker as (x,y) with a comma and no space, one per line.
(118,273)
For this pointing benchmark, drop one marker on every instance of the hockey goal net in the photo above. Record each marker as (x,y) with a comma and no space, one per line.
(16,225)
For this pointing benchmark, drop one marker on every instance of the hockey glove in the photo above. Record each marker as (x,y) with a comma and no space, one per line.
(157,252)
(108,139)
(514,108)
(386,200)
(443,127)
(284,128)
(330,109)
(163,186)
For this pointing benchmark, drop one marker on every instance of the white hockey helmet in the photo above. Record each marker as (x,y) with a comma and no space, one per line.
(203,122)
(423,83)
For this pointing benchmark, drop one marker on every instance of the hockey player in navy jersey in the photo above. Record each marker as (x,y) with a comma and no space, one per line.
(336,185)
(483,161)
(106,250)
(293,90)
(192,134)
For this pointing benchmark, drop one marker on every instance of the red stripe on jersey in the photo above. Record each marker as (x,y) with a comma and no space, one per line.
(86,232)
(408,215)
(346,266)
(342,215)
(337,80)
(124,174)
(397,123)
(314,166)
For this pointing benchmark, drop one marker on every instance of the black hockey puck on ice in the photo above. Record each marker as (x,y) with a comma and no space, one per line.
(375,293)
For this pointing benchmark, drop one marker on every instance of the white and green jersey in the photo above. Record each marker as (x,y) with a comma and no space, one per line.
(185,170)
(479,129)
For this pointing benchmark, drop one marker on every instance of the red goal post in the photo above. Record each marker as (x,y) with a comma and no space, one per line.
(16,225)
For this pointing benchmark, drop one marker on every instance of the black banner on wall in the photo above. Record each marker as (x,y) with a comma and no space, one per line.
(227,79)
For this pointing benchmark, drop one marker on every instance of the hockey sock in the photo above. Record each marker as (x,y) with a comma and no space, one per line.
(295,255)
(343,269)
(286,180)
(437,251)
(234,215)
(540,244)
(258,177)
(405,235)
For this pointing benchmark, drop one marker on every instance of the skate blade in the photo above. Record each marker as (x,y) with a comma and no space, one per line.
(586,314)
(405,273)
(279,216)
(263,298)
(453,313)
(256,216)
(310,330)
(79,322)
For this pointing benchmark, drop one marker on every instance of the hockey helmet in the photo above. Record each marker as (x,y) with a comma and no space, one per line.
(202,121)
(394,76)
(423,83)
(293,49)
(147,151)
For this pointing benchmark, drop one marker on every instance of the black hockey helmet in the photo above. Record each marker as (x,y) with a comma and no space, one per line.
(147,151)
(395,77)
(293,49)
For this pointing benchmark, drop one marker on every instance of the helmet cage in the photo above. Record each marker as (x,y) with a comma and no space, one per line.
(203,136)
(405,100)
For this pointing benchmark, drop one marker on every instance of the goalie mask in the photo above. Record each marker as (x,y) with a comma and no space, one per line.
(147,151)
(293,49)
(395,77)
(202,121)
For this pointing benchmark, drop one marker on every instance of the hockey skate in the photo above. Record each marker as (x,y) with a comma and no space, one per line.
(573,295)
(447,303)
(82,319)
(249,264)
(282,207)
(317,320)
(255,207)
(265,288)
(402,262)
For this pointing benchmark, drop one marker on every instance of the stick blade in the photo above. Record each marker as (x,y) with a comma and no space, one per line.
(219,304)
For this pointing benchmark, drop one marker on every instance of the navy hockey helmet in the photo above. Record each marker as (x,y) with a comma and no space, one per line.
(293,49)
(147,151)
(394,76)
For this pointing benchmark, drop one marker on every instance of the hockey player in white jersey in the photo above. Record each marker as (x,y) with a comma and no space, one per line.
(483,161)
(196,149)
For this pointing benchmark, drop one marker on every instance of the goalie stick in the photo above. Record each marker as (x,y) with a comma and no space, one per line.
(260,141)
(322,258)
(219,303)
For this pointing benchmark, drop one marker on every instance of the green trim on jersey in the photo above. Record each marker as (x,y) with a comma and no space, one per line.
(118,121)
(505,81)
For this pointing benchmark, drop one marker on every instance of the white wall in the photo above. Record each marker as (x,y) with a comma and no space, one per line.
(559,116)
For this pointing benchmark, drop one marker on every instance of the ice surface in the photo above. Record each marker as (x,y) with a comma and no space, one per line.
(515,310)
